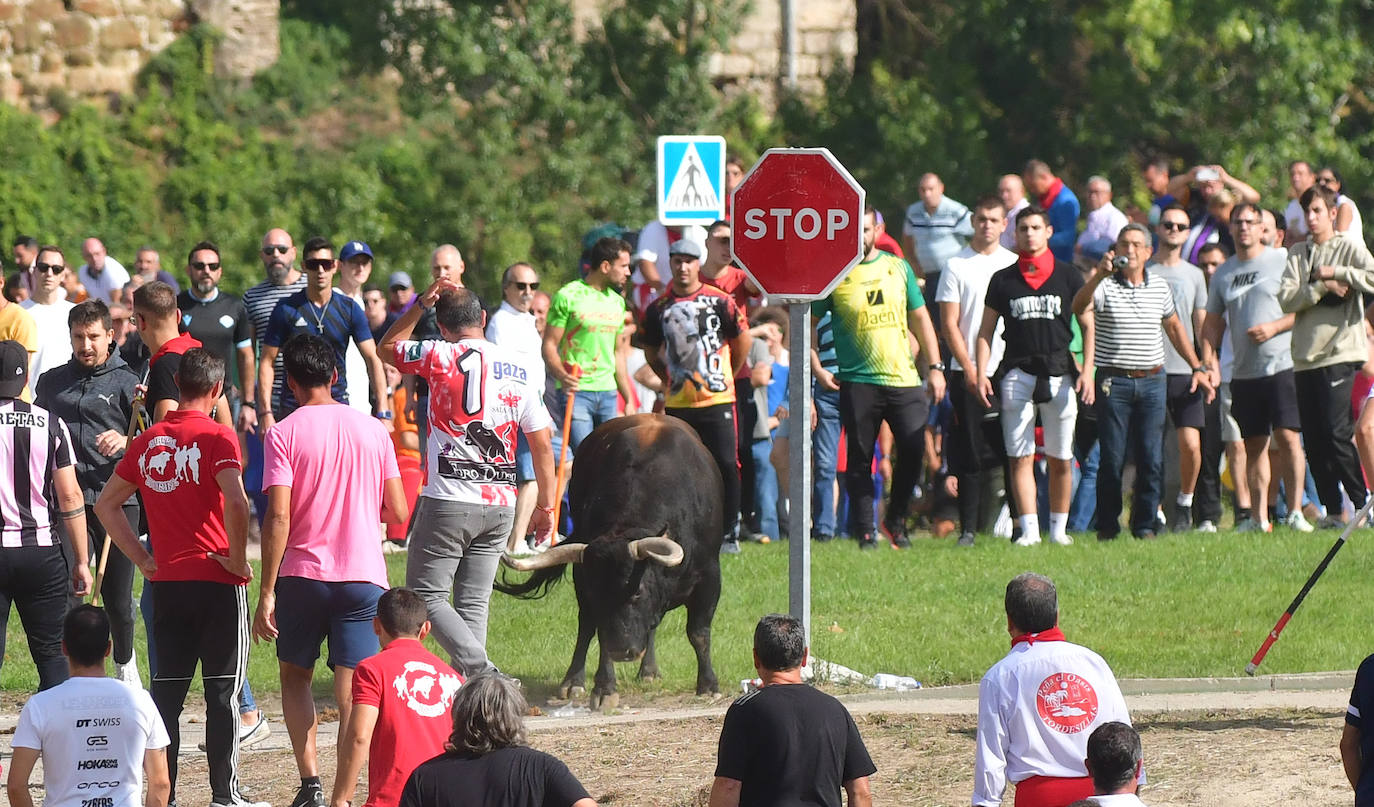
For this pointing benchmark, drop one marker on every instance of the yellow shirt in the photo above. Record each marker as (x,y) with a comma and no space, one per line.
(17,324)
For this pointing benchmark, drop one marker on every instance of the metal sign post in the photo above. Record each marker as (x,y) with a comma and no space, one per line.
(798,230)
(799,406)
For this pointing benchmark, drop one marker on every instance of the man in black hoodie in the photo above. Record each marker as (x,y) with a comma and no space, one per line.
(93,393)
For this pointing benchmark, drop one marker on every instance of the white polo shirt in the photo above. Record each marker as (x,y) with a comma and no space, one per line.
(1036,709)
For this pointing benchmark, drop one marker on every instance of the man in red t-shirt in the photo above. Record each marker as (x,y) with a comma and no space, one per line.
(401,701)
(188,471)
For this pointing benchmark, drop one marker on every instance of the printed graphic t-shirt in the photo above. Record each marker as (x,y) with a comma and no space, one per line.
(174,465)
(695,331)
(591,320)
(869,318)
(412,691)
(480,396)
(92,733)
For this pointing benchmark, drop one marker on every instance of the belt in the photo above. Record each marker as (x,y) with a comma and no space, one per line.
(1122,371)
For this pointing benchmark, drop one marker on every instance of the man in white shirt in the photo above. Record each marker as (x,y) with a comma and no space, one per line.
(513,327)
(1114,762)
(1012,191)
(103,276)
(972,446)
(1105,221)
(48,306)
(1300,178)
(99,739)
(355,267)
(1039,704)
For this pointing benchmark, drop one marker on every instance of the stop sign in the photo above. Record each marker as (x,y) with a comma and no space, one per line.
(798,223)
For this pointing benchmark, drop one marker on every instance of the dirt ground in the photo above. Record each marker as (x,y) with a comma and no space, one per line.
(1215,758)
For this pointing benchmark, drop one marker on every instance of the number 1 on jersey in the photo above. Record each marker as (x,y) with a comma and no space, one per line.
(473,378)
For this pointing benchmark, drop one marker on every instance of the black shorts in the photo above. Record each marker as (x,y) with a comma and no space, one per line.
(1260,405)
(1185,408)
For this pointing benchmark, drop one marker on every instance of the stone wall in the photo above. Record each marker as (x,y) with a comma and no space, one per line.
(753,63)
(93,49)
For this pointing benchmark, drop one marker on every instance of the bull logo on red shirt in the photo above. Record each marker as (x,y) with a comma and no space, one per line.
(164,464)
(1066,702)
(424,690)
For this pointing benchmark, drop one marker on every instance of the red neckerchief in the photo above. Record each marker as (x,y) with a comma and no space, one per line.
(1047,198)
(1036,269)
(1054,634)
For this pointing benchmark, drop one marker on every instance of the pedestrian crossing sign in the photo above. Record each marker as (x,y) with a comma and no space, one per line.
(691,179)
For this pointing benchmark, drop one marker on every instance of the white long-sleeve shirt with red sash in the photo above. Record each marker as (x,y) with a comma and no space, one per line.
(1036,709)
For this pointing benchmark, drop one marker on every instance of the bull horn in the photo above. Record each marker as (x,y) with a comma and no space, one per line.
(659,548)
(554,556)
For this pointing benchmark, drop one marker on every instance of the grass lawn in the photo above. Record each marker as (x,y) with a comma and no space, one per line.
(1194,605)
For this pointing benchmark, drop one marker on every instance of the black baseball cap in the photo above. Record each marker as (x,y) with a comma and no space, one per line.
(14,369)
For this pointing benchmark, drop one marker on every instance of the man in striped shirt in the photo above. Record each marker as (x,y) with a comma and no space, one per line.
(36,451)
(1130,391)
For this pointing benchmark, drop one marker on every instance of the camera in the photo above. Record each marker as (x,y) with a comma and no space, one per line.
(1120,262)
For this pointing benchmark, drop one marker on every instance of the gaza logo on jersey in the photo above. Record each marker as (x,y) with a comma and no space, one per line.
(1066,702)
(424,690)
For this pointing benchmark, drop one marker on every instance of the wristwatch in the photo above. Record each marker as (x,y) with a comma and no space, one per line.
(1202,368)
(937,365)
(385,414)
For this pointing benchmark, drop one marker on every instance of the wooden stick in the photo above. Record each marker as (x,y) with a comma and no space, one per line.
(136,425)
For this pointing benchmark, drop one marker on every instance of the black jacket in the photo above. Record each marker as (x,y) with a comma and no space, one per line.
(90,401)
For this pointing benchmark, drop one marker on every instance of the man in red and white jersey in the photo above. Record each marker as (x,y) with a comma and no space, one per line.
(37,457)
(1038,706)
(480,396)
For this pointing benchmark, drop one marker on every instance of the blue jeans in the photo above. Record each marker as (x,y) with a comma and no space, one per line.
(590,409)
(825,445)
(765,488)
(1130,410)
(1084,505)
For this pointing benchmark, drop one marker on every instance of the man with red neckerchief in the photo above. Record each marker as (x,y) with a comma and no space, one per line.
(1038,706)
(1034,298)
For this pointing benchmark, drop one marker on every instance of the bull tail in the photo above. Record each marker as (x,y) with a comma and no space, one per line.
(536,586)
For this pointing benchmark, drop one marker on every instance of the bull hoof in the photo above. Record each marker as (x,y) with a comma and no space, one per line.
(569,691)
(649,675)
(605,702)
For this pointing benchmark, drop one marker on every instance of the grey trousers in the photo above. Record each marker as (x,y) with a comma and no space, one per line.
(455,549)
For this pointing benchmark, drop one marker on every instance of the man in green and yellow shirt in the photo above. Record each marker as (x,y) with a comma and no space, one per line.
(873,310)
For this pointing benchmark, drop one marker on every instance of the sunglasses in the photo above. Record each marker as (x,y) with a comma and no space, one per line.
(49,268)
(1325,180)
(319,264)
(1173,226)
(212,266)
(721,239)
(280,249)
(525,286)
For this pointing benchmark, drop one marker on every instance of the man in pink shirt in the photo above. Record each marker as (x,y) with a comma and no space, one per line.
(329,473)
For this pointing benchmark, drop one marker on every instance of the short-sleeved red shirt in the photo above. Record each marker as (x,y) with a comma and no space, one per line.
(412,691)
(174,465)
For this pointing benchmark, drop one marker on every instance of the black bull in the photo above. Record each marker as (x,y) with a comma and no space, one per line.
(646,502)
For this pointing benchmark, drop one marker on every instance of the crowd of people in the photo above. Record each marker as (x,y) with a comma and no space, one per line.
(998,371)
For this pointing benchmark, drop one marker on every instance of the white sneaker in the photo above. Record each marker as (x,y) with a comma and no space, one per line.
(1062,540)
(1206,526)
(128,673)
(1027,540)
(241,802)
(1296,521)
(249,736)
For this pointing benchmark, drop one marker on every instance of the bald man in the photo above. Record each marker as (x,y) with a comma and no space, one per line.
(103,276)
(445,263)
(1012,191)
(278,255)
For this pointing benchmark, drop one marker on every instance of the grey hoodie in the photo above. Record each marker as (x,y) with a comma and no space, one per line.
(90,401)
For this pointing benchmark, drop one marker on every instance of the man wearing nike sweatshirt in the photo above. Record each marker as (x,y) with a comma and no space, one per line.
(93,393)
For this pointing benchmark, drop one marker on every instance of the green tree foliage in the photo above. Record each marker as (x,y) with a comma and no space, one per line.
(973,89)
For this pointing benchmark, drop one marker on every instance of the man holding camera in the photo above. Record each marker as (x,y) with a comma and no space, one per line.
(1129,307)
